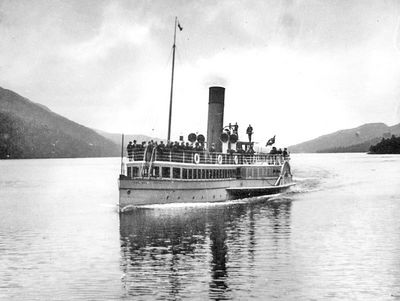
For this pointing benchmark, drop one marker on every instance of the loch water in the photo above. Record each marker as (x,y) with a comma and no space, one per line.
(334,236)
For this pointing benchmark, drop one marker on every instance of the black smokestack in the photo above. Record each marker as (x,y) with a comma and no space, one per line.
(215,123)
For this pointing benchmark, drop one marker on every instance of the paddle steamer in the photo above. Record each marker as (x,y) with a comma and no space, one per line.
(225,169)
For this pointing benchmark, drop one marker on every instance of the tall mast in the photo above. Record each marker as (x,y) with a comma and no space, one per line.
(172,82)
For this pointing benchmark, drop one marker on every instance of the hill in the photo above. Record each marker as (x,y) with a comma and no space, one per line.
(355,148)
(31,130)
(350,140)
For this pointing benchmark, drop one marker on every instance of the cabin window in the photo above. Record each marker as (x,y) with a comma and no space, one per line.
(129,172)
(208,174)
(135,172)
(238,173)
(190,174)
(213,173)
(166,172)
(199,173)
(176,173)
(184,173)
(156,172)
(203,174)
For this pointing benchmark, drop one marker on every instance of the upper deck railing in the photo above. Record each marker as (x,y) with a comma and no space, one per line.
(203,157)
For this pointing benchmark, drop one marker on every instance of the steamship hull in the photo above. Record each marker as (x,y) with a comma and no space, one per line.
(198,183)
(147,192)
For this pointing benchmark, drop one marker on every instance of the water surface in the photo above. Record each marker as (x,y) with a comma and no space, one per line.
(335,236)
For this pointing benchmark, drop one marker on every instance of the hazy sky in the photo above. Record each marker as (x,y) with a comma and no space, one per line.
(297,69)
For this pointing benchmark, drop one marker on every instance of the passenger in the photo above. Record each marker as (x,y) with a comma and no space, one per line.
(134,145)
(129,150)
(273,151)
(279,152)
(175,146)
(212,148)
(188,147)
(285,153)
(249,132)
(236,129)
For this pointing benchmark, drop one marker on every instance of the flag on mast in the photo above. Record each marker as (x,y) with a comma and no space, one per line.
(271,141)
(179,26)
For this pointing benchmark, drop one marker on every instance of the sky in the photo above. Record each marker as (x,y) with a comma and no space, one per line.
(296,69)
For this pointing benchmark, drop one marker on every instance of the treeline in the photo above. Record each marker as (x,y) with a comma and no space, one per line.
(386,146)
(21,139)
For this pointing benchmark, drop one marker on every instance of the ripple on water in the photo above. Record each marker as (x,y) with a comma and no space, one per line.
(335,236)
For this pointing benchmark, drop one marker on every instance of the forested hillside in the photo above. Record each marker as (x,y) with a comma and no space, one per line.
(30,130)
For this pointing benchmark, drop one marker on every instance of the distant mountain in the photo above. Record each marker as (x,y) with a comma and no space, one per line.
(31,130)
(351,140)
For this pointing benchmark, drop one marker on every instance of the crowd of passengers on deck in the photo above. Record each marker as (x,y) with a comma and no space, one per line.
(137,151)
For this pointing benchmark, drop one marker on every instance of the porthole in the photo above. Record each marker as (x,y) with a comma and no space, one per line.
(192,198)
(128,192)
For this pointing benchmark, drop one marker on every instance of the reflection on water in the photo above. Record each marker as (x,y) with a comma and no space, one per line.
(178,251)
(334,237)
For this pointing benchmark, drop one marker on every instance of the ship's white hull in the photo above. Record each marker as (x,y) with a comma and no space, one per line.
(134,192)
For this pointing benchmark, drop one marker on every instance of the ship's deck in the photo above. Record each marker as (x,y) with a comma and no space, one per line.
(204,157)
